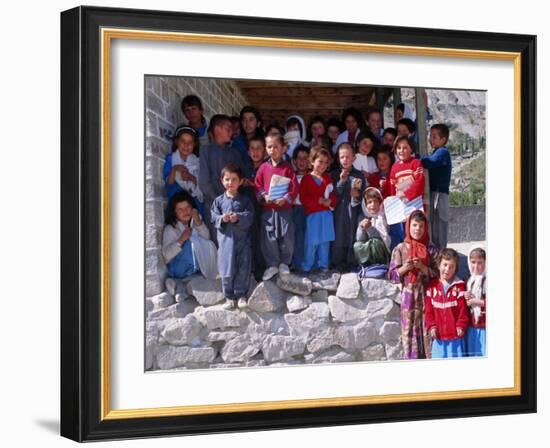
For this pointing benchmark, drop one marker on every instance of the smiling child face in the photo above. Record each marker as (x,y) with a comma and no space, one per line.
(320,164)
(185,144)
(478,265)
(302,162)
(183,211)
(373,205)
(383,161)
(404,151)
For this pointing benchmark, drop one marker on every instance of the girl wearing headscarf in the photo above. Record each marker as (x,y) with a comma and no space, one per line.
(413,265)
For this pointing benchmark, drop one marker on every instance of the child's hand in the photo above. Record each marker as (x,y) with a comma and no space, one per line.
(185,235)
(267,199)
(226,217)
(280,202)
(233,217)
(325,202)
(248,183)
(382,183)
(433,333)
(366,223)
(417,264)
(344,175)
(401,195)
(195,216)
(459,332)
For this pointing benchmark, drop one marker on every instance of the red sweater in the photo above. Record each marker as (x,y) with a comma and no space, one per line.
(446,312)
(374,181)
(262,182)
(409,173)
(310,193)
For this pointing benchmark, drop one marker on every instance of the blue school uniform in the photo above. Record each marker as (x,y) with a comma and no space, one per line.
(345,217)
(234,252)
(184,263)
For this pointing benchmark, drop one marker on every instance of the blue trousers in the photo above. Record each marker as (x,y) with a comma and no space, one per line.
(316,256)
(183,264)
(448,349)
(475,342)
(397,234)
(299,218)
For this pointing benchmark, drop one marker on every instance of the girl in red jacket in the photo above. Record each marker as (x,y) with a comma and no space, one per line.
(446,311)
(318,198)
(406,178)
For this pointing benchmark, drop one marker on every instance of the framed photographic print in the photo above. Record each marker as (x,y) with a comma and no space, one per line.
(278,224)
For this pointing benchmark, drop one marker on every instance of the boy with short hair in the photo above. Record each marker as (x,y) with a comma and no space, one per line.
(445,307)
(232,215)
(191,106)
(439,167)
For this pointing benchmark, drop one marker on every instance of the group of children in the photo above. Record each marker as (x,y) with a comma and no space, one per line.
(272,201)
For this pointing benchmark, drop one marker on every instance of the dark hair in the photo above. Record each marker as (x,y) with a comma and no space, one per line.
(300,148)
(218,120)
(316,119)
(391,131)
(180,196)
(257,138)
(274,126)
(448,254)
(251,110)
(418,215)
(234,119)
(186,130)
(409,123)
(367,134)
(292,121)
(232,168)
(335,122)
(442,129)
(478,252)
(316,153)
(191,100)
(401,107)
(409,140)
(355,113)
(371,111)
(386,149)
(324,141)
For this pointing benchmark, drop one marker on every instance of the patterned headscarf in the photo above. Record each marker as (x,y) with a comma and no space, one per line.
(417,248)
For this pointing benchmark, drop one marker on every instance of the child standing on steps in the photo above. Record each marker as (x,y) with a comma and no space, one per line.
(276,188)
(318,198)
(446,310)
(412,265)
(476,299)
(232,215)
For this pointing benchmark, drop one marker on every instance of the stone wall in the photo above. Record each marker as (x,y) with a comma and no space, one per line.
(163,114)
(292,320)
(467,223)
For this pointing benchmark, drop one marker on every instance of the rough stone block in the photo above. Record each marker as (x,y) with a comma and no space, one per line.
(390,332)
(383,309)
(349,286)
(169,357)
(217,317)
(207,292)
(375,352)
(331,356)
(394,351)
(297,303)
(182,331)
(267,297)
(295,284)
(315,317)
(239,349)
(347,310)
(163,300)
(279,348)
(376,289)
(328,282)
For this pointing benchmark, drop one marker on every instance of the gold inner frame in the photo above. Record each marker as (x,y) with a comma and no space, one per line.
(107,35)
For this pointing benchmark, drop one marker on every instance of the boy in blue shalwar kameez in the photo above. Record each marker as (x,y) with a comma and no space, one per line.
(233,215)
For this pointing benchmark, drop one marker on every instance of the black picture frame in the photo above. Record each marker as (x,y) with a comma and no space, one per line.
(81,224)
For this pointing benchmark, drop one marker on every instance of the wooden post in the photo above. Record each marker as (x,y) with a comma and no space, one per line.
(396,101)
(422,135)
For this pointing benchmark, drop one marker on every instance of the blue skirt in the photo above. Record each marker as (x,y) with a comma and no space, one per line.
(320,228)
(475,342)
(448,349)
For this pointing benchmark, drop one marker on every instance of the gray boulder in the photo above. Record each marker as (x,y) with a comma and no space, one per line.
(267,297)
(314,317)
(162,300)
(347,310)
(239,349)
(373,353)
(395,350)
(376,289)
(182,331)
(390,332)
(186,307)
(214,317)
(333,355)
(349,286)
(365,334)
(170,357)
(295,284)
(385,309)
(279,348)
(328,282)
(207,292)
(297,303)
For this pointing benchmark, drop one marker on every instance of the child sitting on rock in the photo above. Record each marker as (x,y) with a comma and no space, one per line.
(372,239)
